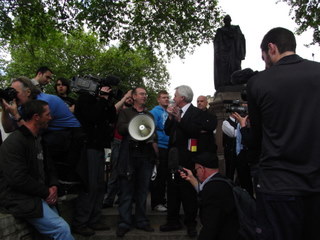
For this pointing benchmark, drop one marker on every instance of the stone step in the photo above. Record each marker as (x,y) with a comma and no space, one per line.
(110,216)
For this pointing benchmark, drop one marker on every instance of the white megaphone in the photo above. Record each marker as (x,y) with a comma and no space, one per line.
(141,127)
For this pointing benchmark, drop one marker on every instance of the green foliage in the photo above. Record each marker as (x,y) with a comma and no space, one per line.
(307,16)
(80,54)
(171,27)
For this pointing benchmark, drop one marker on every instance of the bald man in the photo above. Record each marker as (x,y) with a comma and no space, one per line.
(207,138)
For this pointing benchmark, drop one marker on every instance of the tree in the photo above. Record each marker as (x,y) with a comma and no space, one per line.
(171,27)
(307,16)
(80,54)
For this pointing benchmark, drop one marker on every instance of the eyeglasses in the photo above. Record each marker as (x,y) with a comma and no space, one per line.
(143,94)
(194,171)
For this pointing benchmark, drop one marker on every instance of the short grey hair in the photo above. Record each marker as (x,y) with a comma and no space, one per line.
(186,92)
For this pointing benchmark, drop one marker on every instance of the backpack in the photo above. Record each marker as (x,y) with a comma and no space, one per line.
(246,209)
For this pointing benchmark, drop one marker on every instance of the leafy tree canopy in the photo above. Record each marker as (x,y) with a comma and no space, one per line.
(80,53)
(171,27)
(306,13)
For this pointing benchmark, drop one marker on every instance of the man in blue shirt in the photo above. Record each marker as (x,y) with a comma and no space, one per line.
(158,186)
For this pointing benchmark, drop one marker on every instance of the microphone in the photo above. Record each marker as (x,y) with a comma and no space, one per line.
(173,160)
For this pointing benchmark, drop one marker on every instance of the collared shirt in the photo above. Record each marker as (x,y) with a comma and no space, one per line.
(201,185)
(229,130)
(185,108)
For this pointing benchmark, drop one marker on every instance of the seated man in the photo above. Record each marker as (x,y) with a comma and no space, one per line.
(28,185)
(218,213)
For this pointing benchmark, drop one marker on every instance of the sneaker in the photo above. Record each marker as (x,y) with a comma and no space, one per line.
(160,208)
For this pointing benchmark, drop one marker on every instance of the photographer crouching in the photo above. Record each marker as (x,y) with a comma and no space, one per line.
(96,113)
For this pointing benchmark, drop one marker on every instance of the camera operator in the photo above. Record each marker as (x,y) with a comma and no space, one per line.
(242,143)
(61,139)
(229,127)
(96,114)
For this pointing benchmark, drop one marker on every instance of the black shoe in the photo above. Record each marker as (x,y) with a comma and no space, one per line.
(99,226)
(170,227)
(84,231)
(192,232)
(146,228)
(121,231)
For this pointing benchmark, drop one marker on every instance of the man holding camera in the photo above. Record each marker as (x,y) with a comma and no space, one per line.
(284,105)
(96,115)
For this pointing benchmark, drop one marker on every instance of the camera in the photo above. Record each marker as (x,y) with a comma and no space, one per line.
(235,106)
(180,168)
(8,94)
(92,85)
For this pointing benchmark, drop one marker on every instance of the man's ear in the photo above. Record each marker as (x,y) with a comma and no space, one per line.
(36,116)
(28,92)
(273,49)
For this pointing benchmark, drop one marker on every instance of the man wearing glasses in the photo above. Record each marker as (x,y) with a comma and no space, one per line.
(218,212)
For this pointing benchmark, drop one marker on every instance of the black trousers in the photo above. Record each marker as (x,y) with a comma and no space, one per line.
(159,185)
(282,217)
(244,173)
(181,192)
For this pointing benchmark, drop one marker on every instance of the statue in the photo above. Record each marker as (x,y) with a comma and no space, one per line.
(229,50)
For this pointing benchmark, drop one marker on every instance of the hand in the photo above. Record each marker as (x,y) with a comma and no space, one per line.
(107,90)
(128,94)
(53,195)
(175,112)
(241,120)
(186,174)
(10,108)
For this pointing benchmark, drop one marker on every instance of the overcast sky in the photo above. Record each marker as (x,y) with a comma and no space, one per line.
(255,19)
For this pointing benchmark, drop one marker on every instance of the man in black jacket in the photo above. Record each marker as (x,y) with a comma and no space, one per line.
(183,126)
(218,213)
(28,184)
(96,115)
(283,105)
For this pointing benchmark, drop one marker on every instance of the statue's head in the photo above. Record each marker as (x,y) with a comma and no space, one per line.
(227,20)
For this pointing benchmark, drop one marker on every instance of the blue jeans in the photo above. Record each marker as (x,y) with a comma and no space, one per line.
(135,188)
(51,224)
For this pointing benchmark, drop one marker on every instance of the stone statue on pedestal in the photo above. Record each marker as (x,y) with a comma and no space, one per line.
(229,51)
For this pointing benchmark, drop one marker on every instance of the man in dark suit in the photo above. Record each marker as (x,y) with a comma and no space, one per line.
(283,105)
(218,213)
(207,140)
(183,126)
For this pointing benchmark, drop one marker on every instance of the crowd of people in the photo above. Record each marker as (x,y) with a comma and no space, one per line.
(57,145)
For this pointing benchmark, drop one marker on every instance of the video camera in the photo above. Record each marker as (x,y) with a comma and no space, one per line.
(92,85)
(235,106)
(8,94)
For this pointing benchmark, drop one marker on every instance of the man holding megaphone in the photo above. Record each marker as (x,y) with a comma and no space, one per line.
(135,163)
